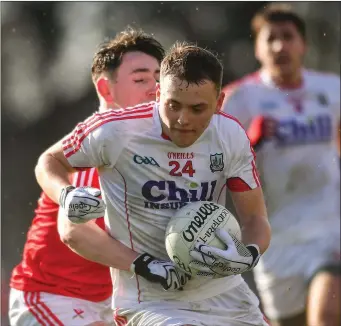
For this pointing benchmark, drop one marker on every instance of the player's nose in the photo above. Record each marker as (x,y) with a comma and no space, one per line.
(278,46)
(183,117)
(152,90)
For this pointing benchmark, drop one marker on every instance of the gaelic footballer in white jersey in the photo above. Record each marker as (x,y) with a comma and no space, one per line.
(139,172)
(299,166)
(300,172)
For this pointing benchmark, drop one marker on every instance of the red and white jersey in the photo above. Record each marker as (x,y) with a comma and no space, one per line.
(299,166)
(48,265)
(145,178)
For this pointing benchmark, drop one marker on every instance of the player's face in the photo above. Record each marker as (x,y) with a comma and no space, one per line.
(186,109)
(280,48)
(135,80)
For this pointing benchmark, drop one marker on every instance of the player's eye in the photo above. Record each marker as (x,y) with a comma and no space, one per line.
(287,36)
(139,81)
(271,39)
(198,108)
(174,106)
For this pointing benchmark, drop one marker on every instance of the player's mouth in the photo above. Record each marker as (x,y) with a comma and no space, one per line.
(282,60)
(184,131)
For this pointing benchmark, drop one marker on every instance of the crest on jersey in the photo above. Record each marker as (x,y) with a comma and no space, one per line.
(217,162)
(322,99)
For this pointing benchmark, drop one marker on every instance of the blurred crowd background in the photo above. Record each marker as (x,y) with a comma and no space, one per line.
(46,55)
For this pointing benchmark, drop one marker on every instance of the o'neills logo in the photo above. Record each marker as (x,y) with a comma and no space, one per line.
(180,156)
(199,220)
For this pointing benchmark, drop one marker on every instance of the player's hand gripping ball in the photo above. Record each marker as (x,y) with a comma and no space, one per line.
(195,225)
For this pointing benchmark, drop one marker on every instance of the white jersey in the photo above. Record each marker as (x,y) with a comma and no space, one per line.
(145,178)
(299,166)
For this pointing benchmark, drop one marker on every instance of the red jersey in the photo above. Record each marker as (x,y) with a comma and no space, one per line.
(48,265)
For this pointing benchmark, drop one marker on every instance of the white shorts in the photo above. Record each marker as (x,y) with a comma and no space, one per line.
(238,307)
(283,274)
(46,309)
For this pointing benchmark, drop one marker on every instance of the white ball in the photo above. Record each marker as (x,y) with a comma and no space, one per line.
(197,222)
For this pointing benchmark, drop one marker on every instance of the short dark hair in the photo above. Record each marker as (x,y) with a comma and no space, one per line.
(192,64)
(277,13)
(109,57)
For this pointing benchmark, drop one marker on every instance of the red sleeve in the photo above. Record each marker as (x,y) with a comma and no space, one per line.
(237,185)
(86,178)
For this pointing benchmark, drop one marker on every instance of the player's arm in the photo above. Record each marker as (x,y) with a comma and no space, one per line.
(246,193)
(82,148)
(52,171)
(91,242)
(95,244)
(88,239)
(253,219)
(245,189)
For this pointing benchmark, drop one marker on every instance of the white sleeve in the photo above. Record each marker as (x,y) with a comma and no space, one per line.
(96,142)
(242,167)
(235,104)
(336,102)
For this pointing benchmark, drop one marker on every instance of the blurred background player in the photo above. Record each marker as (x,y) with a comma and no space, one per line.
(293,119)
(52,285)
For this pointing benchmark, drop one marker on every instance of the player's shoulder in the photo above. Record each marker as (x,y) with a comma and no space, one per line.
(322,79)
(123,120)
(227,125)
(246,82)
(326,85)
(230,132)
(126,115)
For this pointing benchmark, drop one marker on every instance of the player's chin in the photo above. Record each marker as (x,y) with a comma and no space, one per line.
(285,69)
(183,142)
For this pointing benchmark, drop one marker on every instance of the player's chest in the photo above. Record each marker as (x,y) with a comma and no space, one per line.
(302,118)
(165,176)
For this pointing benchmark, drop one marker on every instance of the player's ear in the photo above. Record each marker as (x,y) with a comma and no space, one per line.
(103,88)
(220,102)
(157,92)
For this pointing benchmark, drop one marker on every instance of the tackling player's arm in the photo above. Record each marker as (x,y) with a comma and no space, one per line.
(52,171)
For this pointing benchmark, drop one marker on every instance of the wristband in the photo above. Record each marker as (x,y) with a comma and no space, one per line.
(144,259)
(254,250)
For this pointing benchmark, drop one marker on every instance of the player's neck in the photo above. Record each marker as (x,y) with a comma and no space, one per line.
(108,105)
(292,81)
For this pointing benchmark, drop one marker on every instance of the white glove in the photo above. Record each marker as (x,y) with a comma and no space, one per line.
(81,204)
(160,271)
(235,259)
